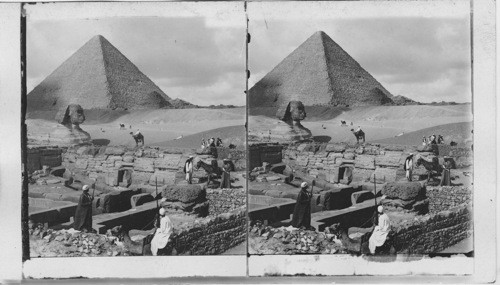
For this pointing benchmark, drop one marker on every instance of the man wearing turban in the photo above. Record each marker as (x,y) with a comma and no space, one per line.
(83,214)
(162,233)
(302,211)
(380,231)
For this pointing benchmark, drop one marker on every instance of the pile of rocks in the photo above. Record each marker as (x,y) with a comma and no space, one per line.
(225,200)
(290,240)
(70,242)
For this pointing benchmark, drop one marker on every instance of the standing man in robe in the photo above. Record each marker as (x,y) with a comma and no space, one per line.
(226,176)
(162,234)
(302,211)
(188,169)
(83,214)
(408,167)
(380,232)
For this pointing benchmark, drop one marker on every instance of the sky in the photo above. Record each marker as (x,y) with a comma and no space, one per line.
(191,52)
(418,50)
(195,51)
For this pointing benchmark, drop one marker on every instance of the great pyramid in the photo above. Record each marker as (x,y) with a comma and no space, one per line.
(97,76)
(318,72)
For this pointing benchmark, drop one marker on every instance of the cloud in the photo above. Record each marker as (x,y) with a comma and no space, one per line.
(181,55)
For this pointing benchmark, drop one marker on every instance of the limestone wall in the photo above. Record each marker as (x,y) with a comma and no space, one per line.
(119,166)
(323,160)
(445,197)
(435,232)
(211,235)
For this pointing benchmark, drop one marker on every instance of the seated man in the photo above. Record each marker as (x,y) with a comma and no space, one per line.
(380,231)
(162,233)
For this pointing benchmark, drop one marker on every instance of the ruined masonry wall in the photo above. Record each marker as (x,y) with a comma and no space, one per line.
(434,233)
(211,235)
(40,156)
(322,160)
(445,197)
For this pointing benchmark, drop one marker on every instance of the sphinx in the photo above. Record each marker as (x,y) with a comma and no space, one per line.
(68,131)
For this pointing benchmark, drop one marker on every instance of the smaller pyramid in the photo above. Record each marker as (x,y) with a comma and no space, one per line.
(318,72)
(97,76)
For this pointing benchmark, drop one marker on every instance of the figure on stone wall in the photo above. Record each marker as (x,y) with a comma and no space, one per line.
(380,232)
(424,141)
(83,214)
(408,166)
(432,139)
(440,139)
(162,234)
(188,169)
(302,212)
(226,176)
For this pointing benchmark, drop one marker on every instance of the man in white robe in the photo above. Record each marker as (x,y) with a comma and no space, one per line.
(380,232)
(162,233)
(188,169)
(408,167)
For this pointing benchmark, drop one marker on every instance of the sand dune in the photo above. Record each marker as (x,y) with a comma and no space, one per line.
(378,122)
(229,135)
(457,132)
(157,126)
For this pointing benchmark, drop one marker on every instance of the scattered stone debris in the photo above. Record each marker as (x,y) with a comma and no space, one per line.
(70,242)
(290,240)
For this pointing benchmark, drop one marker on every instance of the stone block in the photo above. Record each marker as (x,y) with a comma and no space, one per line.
(364,161)
(52,161)
(144,165)
(349,156)
(390,159)
(361,196)
(169,161)
(403,190)
(81,163)
(139,177)
(112,178)
(139,199)
(335,147)
(202,209)
(274,193)
(162,178)
(53,196)
(383,175)
(110,150)
(128,158)
(184,193)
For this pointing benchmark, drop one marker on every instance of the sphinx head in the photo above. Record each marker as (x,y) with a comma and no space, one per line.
(72,116)
(292,113)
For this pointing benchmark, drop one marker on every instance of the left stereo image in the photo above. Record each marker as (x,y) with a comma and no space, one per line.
(136,140)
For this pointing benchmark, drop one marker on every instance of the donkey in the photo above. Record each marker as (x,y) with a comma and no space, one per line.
(211,169)
(430,166)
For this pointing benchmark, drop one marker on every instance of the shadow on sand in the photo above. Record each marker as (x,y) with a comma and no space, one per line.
(101,141)
(322,139)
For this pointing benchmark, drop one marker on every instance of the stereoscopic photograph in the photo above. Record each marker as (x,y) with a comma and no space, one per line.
(136,130)
(360,130)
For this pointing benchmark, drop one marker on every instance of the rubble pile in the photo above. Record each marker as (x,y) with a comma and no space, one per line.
(225,200)
(70,243)
(290,240)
